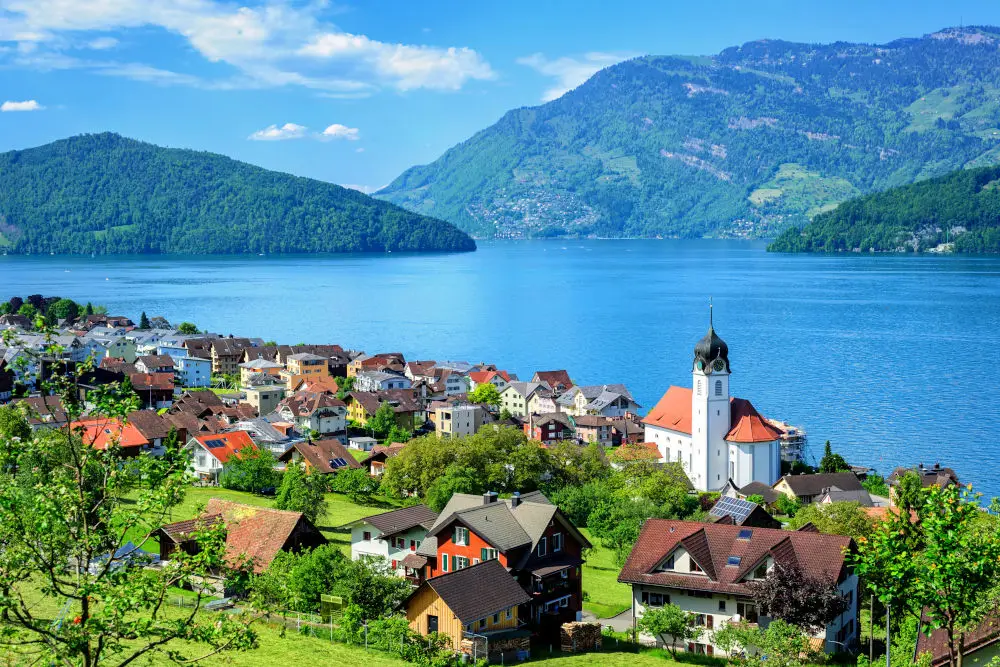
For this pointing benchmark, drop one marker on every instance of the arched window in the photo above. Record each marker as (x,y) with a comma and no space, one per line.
(718,387)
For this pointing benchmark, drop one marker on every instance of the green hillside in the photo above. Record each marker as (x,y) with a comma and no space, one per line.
(961,208)
(747,142)
(106,194)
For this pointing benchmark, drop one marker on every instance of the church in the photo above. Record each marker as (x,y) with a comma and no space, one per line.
(715,436)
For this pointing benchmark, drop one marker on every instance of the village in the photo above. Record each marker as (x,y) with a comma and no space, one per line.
(697,507)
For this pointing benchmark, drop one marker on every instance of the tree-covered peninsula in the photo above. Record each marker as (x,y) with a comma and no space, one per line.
(957,212)
(107,194)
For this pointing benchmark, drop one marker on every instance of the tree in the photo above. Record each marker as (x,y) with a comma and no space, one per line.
(485,394)
(756,498)
(397,434)
(143,321)
(846,518)
(28,310)
(876,485)
(832,462)
(301,492)
(670,621)
(5,308)
(250,470)
(356,484)
(372,585)
(780,645)
(456,480)
(187,328)
(89,309)
(941,566)
(793,596)
(383,420)
(786,505)
(505,415)
(65,504)
(64,309)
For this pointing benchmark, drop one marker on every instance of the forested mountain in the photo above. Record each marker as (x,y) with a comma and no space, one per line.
(742,143)
(960,208)
(105,194)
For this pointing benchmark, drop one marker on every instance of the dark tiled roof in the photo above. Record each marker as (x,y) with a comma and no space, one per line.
(397,521)
(479,591)
(319,453)
(150,424)
(812,485)
(760,489)
(230,347)
(819,556)
(179,530)
(928,476)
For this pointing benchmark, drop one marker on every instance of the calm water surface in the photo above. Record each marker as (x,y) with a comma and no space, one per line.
(893,359)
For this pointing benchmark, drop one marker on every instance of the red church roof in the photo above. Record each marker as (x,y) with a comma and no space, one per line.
(673,412)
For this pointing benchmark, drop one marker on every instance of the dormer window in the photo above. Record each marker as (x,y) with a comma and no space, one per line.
(668,564)
(694,567)
(761,571)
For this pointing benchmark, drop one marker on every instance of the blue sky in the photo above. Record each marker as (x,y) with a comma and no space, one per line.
(355,93)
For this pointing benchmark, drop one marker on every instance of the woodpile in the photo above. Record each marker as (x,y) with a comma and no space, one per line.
(580,637)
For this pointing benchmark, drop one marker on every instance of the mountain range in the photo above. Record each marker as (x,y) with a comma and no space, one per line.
(748,142)
(106,194)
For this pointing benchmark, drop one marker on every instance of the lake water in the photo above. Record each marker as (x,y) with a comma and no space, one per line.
(894,359)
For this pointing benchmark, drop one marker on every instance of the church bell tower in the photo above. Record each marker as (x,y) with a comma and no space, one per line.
(710,411)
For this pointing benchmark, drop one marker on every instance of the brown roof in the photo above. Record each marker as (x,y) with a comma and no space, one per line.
(936,643)
(711,545)
(759,489)
(397,521)
(150,424)
(929,476)
(117,364)
(813,485)
(305,403)
(478,591)
(319,453)
(591,421)
(554,379)
(44,409)
(152,381)
(180,530)
(383,452)
(157,360)
(230,347)
(402,400)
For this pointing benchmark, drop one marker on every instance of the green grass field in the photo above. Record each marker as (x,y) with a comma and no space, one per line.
(605,596)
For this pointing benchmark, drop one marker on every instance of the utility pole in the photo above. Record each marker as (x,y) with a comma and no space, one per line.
(888,638)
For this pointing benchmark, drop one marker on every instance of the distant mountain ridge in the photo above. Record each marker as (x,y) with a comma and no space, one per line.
(957,212)
(106,194)
(744,143)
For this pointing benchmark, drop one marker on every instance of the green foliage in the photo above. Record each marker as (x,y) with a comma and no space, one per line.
(102,193)
(786,505)
(485,394)
(780,645)
(28,311)
(876,485)
(756,498)
(397,434)
(251,470)
(383,420)
(143,321)
(901,652)
(846,518)
(962,207)
(64,309)
(454,480)
(670,621)
(356,484)
(832,462)
(767,133)
(186,328)
(505,414)
(300,492)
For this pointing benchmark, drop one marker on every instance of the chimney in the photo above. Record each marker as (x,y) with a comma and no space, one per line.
(937,466)
(489,497)
(515,499)
(920,467)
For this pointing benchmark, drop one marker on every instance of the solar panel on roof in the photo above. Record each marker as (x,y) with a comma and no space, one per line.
(735,507)
(338,463)
(215,444)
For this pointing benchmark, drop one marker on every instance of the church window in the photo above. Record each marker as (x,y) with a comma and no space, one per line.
(718,387)
(699,387)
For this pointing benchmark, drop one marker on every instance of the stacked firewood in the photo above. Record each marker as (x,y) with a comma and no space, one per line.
(580,637)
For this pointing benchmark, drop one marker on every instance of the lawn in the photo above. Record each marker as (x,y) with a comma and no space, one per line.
(606,597)
(359,454)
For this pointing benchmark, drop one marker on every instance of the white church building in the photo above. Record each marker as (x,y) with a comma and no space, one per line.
(714,436)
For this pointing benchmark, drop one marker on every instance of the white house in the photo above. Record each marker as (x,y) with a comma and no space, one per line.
(705,570)
(213,450)
(392,535)
(606,400)
(516,396)
(714,436)
(380,381)
(312,411)
(193,372)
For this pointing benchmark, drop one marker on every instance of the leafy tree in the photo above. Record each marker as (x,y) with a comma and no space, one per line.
(780,645)
(64,504)
(383,420)
(373,586)
(505,415)
(845,518)
(670,621)
(941,565)
(64,309)
(456,480)
(832,462)
(397,434)
(88,309)
(579,502)
(5,308)
(144,321)
(787,505)
(790,594)
(876,485)
(485,394)
(28,310)
(572,465)
(356,484)
(186,328)
(345,386)
(756,498)
(250,470)
(301,492)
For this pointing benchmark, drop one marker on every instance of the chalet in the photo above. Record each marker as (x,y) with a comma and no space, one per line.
(516,396)
(388,361)
(325,457)
(118,365)
(151,426)
(213,450)
(607,400)
(395,537)
(471,606)
(226,353)
(550,428)
(706,569)
(592,428)
(420,370)
(254,535)
(373,381)
(362,406)
(498,379)
(527,534)
(43,411)
(259,367)
(155,363)
(627,431)
(315,412)
(730,490)
(323,384)
(557,381)
(807,488)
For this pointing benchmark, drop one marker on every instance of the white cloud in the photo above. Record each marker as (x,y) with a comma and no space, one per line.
(27,105)
(359,150)
(279,43)
(276,133)
(570,72)
(338,131)
(102,43)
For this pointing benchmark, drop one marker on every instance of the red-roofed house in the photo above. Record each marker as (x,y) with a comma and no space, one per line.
(498,379)
(706,568)
(715,436)
(155,390)
(102,432)
(213,450)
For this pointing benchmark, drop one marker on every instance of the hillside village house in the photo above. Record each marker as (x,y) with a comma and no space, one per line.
(259,367)
(714,436)
(363,405)
(155,363)
(373,381)
(476,607)
(556,381)
(515,397)
(213,450)
(929,476)
(102,433)
(593,428)
(393,361)
(155,390)
(542,402)
(498,379)
(193,372)
(459,420)
(264,398)
(527,534)
(807,488)
(226,354)
(315,412)
(608,400)
(324,457)
(549,429)
(393,536)
(379,454)
(705,570)
(302,366)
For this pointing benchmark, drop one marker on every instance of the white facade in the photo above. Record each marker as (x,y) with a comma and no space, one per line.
(203,464)
(380,381)
(367,541)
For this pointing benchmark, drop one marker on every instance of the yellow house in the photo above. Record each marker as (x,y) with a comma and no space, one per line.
(258,366)
(475,603)
(304,366)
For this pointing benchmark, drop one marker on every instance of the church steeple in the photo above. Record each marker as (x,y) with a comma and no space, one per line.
(711,348)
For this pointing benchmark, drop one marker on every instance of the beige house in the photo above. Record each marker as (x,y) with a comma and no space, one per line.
(259,367)
(265,398)
(458,420)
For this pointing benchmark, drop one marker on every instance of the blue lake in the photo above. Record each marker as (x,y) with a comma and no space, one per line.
(894,359)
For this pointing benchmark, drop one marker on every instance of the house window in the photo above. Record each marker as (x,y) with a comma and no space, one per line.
(557,542)
(367,536)
(461,536)
(668,564)
(401,543)
(761,571)
(510,613)
(693,566)
(444,562)
(747,611)
(413,545)
(487,554)
(722,605)
(718,387)
(649,599)
(496,618)
(542,547)
(461,562)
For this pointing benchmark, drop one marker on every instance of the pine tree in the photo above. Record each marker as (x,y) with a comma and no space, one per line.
(143,321)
